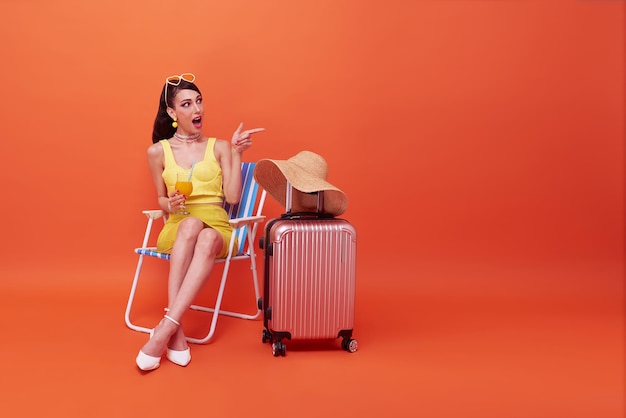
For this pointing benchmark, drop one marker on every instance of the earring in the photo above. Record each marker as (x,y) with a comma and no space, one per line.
(174,124)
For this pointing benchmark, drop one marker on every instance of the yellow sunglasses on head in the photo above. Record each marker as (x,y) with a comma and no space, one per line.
(175,80)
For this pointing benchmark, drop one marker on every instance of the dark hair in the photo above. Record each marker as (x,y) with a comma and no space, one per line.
(163,128)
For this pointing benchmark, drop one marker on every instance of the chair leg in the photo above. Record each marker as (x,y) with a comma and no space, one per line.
(131,298)
(216,311)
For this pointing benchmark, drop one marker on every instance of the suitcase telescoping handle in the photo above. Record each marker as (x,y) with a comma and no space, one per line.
(320,206)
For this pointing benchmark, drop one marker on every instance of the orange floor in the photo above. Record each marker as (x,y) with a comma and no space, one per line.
(482,341)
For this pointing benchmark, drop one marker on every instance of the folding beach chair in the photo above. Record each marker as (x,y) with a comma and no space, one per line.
(244,218)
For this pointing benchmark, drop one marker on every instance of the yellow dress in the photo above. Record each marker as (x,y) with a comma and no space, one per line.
(207,189)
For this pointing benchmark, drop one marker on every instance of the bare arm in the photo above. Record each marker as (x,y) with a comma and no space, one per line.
(230,159)
(230,184)
(156,165)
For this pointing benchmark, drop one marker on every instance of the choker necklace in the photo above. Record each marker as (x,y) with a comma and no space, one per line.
(187,139)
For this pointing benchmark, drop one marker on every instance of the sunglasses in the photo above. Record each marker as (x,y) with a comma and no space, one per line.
(175,80)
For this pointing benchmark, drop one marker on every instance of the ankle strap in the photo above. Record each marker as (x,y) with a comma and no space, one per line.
(171,319)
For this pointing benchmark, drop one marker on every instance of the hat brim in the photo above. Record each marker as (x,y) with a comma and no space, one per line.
(273,175)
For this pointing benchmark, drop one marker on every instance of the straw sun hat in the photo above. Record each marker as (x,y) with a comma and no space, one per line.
(306,172)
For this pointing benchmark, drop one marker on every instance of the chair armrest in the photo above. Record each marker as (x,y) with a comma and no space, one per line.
(248,220)
(153,214)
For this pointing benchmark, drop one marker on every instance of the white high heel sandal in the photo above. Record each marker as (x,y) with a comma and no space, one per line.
(179,357)
(146,362)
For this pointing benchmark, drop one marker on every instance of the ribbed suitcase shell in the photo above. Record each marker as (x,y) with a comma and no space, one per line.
(311,277)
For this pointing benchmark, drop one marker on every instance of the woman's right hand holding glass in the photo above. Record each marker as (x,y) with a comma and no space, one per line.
(176,203)
(184,188)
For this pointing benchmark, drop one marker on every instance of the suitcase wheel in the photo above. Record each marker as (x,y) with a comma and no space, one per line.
(349,345)
(279,349)
(267,336)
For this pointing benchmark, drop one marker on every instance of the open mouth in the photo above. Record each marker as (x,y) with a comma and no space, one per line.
(197,122)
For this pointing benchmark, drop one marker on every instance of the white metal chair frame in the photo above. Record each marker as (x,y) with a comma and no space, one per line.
(245,225)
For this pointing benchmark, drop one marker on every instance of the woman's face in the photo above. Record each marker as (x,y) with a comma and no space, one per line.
(188,109)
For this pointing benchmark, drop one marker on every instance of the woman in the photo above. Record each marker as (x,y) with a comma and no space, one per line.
(196,239)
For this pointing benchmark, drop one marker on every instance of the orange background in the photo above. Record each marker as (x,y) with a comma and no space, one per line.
(480,143)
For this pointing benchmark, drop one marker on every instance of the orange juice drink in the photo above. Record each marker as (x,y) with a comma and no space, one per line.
(184,187)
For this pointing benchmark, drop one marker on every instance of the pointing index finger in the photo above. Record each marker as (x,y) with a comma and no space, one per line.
(251,131)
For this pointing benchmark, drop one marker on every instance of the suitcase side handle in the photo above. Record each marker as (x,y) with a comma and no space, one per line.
(304,215)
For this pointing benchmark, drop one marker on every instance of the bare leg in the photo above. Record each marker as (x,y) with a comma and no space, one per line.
(182,254)
(208,244)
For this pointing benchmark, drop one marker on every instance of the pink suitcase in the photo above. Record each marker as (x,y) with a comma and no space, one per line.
(309,280)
